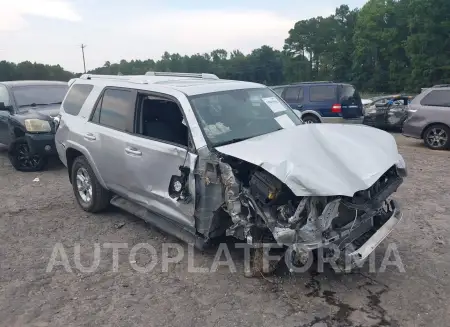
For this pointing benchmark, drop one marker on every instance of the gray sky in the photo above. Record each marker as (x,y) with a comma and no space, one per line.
(51,31)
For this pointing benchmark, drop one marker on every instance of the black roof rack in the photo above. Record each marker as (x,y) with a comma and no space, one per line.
(441,85)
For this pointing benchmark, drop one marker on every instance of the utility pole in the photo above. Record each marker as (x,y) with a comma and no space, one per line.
(84,61)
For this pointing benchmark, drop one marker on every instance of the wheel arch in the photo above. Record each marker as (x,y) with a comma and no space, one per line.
(72,152)
(311,113)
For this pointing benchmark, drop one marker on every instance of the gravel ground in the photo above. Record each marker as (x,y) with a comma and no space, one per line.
(35,215)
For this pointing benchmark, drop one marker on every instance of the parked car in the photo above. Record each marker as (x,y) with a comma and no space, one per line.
(323,102)
(28,117)
(387,112)
(201,157)
(429,118)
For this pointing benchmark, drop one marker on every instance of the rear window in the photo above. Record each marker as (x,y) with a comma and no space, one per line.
(437,98)
(322,93)
(349,92)
(76,98)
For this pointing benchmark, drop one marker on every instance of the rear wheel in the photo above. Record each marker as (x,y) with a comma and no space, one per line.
(437,137)
(23,160)
(310,119)
(90,194)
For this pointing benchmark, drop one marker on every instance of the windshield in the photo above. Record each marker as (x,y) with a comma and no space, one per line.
(232,116)
(31,95)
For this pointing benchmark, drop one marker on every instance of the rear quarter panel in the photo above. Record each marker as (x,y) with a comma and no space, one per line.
(70,133)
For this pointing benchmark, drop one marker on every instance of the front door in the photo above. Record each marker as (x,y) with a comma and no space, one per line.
(160,166)
(293,95)
(151,166)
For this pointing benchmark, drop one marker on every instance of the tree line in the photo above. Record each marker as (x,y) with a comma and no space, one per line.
(385,46)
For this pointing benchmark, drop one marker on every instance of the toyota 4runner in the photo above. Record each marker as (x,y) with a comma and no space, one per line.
(201,157)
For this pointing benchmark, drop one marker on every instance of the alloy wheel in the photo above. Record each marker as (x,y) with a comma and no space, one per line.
(437,137)
(84,185)
(25,159)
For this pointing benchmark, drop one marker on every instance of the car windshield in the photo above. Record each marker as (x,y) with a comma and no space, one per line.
(236,115)
(35,95)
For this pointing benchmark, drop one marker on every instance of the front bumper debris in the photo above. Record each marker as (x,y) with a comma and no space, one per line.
(366,237)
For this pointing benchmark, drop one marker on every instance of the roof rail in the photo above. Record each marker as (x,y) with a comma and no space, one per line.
(192,75)
(119,77)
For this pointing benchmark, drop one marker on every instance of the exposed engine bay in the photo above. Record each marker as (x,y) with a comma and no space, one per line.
(263,209)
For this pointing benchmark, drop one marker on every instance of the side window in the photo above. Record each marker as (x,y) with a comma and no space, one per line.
(437,98)
(4,95)
(322,93)
(161,119)
(76,97)
(279,90)
(293,94)
(116,109)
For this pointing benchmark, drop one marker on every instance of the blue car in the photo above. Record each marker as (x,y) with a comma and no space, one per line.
(323,102)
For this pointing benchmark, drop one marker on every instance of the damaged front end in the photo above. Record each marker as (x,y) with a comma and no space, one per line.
(265,210)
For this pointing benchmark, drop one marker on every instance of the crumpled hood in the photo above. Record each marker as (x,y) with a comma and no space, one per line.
(321,159)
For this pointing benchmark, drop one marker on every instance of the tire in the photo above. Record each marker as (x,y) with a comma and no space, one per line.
(437,137)
(21,159)
(310,119)
(95,200)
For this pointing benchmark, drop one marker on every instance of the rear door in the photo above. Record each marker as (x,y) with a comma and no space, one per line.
(350,101)
(323,99)
(294,96)
(106,134)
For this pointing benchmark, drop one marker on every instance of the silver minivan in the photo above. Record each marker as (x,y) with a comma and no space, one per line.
(429,118)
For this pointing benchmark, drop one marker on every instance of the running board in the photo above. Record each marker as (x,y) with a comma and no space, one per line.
(158,221)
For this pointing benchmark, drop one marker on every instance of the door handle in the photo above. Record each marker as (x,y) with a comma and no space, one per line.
(133,151)
(90,137)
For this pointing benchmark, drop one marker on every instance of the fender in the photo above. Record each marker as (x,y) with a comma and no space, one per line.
(311,112)
(76,146)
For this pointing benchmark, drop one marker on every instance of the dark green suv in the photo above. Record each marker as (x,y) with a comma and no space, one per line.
(28,117)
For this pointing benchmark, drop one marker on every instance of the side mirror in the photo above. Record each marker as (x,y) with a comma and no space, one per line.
(3,107)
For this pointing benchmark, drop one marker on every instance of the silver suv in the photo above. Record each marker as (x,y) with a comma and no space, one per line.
(429,118)
(201,157)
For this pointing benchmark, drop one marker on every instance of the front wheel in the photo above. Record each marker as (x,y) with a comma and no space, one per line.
(437,137)
(90,194)
(23,160)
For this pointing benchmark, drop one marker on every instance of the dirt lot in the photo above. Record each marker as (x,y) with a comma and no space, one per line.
(35,215)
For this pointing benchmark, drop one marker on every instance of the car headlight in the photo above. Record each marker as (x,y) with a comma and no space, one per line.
(37,125)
